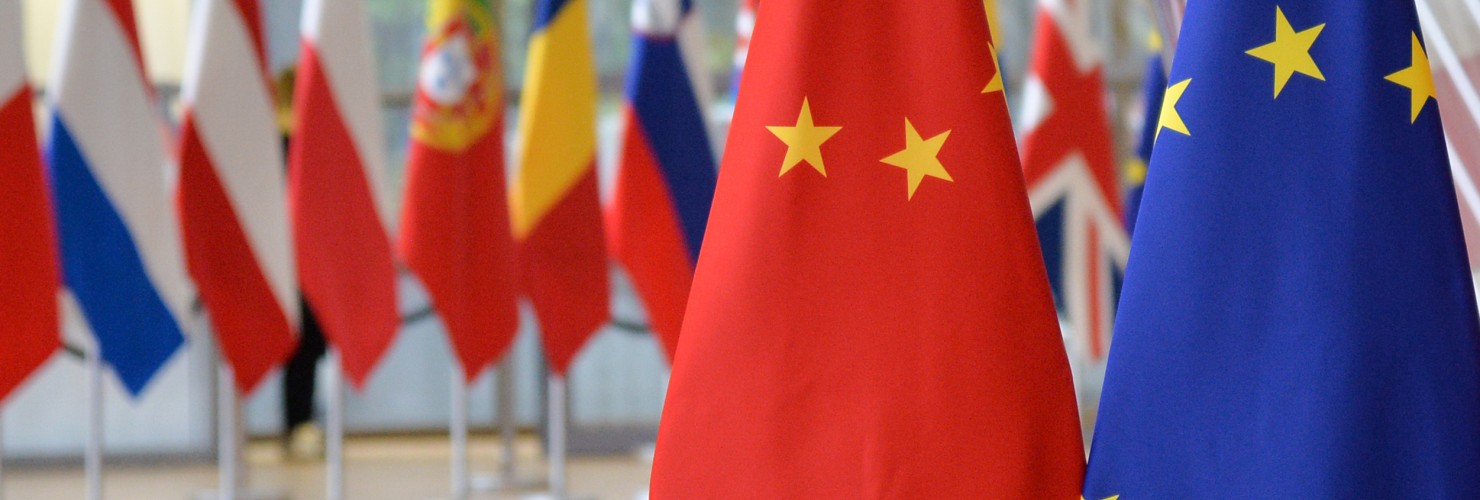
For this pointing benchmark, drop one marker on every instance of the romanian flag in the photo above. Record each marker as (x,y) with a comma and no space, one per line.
(110,166)
(28,253)
(335,165)
(231,192)
(455,219)
(1298,318)
(553,202)
(666,181)
(870,317)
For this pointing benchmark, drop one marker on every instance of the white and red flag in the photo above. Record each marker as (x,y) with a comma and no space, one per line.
(334,189)
(231,191)
(28,254)
(1069,163)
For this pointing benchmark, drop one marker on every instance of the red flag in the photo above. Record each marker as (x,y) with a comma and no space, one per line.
(455,220)
(870,317)
(554,206)
(344,257)
(232,216)
(28,254)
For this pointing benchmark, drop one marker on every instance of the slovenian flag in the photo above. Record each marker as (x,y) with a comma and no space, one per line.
(666,178)
(111,177)
(231,191)
(28,254)
(553,200)
(335,202)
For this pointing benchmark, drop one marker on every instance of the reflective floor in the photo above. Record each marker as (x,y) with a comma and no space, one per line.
(376,468)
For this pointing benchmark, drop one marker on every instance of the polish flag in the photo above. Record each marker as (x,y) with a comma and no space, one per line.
(231,191)
(335,188)
(28,254)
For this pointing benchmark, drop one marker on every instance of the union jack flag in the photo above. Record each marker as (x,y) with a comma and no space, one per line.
(1069,164)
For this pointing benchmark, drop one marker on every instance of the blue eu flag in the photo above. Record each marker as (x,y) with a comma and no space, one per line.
(1297,318)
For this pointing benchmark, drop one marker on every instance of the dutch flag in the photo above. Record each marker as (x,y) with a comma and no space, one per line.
(111,177)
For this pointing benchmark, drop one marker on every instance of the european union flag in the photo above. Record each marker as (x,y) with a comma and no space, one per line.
(1298,319)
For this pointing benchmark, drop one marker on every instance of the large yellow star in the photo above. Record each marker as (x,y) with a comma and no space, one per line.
(996,84)
(1418,79)
(1289,52)
(804,141)
(1170,118)
(920,157)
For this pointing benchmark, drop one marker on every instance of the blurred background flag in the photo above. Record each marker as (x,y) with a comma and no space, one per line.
(870,317)
(1069,163)
(336,161)
(28,253)
(555,208)
(455,219)
(110,177)
(1154,88)
(1298,318)
(744,26)
(231,192)
(666,178)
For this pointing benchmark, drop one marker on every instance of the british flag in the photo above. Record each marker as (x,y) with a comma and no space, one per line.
(1069,164)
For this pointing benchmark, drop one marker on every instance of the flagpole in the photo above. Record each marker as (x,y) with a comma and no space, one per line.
(2,453)
(334,442)
(92,461)
(508,430)
(228,454)
(459,430)
(507,478)
(557,436)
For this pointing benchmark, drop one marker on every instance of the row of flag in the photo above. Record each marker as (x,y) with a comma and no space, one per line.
(872,315)
(873,310)
(143,218)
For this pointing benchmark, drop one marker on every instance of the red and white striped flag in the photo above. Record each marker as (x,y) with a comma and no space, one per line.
(28,254)
(334,200)
(231,191)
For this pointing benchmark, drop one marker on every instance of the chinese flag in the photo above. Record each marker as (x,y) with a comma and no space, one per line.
(870,317)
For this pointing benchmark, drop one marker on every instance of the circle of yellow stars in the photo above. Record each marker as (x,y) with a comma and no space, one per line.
(1290,54)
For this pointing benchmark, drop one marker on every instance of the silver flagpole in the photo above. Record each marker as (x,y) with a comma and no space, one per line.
(334,442)
(557,424)
(459,430)
(2,451)
(92,461)
(227,454)
(507,479)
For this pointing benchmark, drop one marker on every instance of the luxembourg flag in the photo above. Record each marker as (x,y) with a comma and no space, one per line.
(334,199)
(28,254)
(231,191)
(111,178)
(666,180)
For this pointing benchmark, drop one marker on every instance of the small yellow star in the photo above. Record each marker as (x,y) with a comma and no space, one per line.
(1170,118)
(920,157)
(1418,79)
(996,84)
(1112,497)
(804,141)
(1289,52)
